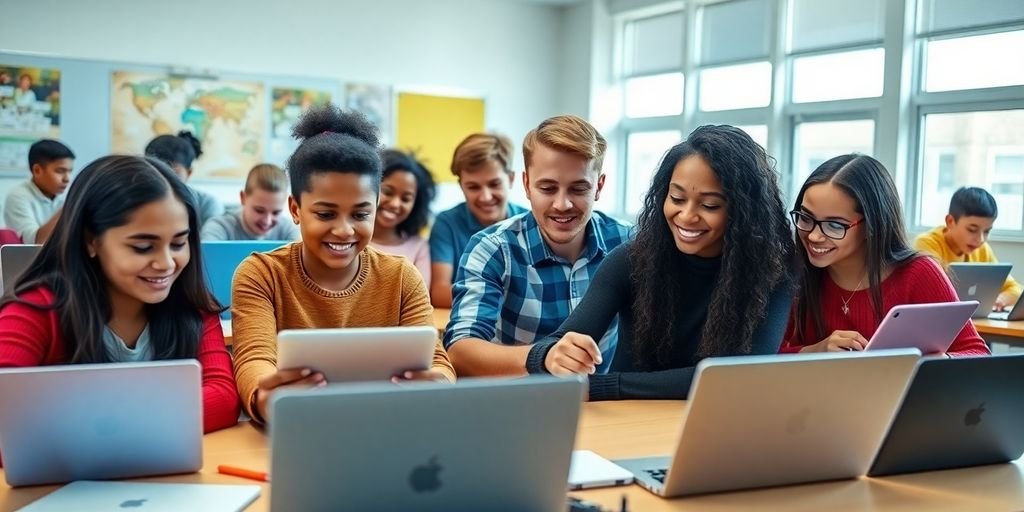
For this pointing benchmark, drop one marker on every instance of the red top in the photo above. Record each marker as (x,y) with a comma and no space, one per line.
(918,281)
(32,337)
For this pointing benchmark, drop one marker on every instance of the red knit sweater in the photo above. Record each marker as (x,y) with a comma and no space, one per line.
(32,337)
(918,281)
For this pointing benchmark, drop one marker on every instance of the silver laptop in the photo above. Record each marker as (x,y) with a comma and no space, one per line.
(759,421)
(486,444)
(92,496)
(14,260)
(1015,313)
(100,421)
(979,281)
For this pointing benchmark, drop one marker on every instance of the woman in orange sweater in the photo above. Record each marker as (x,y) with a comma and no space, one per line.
(330,278)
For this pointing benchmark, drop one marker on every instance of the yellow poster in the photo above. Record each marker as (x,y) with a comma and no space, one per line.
(432,126)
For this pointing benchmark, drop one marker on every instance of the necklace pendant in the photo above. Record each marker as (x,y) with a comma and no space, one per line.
(846,309)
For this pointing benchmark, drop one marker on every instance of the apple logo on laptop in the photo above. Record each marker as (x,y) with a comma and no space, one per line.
(132,503)
(424,478)
(973,416)
(972,290)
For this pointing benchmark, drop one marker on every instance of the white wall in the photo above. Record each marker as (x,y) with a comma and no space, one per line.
(507,51)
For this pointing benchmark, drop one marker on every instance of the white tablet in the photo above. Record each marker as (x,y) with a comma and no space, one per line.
(930,328)
(357,354)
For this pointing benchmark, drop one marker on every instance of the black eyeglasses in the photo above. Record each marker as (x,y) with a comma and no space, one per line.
(831,228)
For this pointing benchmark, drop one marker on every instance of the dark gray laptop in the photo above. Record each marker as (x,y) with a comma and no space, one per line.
(958,412)
(979,281)
(487,444)
(14,259)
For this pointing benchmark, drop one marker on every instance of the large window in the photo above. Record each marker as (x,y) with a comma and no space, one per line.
(644,151)
(838,76)
(817,141)
(735,87)
(975,62)
(980,149)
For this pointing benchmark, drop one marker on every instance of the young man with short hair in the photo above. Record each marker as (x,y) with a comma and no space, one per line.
(519,279)
(963,238)
(33,207)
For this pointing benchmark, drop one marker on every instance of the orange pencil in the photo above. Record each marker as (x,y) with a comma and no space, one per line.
(261,476)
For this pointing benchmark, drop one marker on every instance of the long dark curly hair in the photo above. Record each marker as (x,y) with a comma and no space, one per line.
(757,250)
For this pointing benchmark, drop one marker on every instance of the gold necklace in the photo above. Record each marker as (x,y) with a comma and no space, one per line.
(846,302)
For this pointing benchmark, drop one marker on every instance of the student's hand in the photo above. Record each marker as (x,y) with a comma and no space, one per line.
(419,375)
(297,377)
(838,341)
(573,354)
(1003,302)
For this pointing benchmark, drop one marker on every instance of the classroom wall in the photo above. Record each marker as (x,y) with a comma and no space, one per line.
(506,51)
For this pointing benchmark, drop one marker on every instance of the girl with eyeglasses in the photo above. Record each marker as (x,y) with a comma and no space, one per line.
(857,263)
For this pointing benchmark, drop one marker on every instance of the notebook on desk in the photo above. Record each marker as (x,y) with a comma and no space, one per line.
(91,496)
(481,444)
(100,421)
(759,421)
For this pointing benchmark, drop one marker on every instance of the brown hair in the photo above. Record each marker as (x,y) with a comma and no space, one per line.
(268,177)
(568,134)
(478,148)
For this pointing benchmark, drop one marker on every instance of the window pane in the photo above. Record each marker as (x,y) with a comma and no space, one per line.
(816,142)
(758,132)
(991,60)
(732,87)
(827,23)
(643,154)
(651,96)
(655,44)
(735,31)
(953,14)
(980,149)
(838,76)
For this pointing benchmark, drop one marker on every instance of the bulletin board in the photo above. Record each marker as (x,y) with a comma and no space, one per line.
(432,126)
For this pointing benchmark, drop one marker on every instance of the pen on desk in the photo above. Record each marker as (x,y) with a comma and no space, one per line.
(261,476)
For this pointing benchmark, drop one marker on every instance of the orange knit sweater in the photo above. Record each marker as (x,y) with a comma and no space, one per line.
(272,292)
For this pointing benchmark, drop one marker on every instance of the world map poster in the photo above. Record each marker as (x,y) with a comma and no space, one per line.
(228,117)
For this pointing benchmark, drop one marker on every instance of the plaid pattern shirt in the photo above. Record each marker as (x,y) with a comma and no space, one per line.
(511,289)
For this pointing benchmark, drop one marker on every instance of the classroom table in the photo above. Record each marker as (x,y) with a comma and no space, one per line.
(640,428)
(440,322)
(1001,331)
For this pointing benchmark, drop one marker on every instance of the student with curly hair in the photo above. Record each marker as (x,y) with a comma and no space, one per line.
(708,274)
(179,151)
(331,278)
(406,191)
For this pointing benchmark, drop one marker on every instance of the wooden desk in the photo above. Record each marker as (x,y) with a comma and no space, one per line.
(440,321)
(1000,331)
(635,428)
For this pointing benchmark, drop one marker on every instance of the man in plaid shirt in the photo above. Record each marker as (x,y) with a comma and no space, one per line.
(519,279)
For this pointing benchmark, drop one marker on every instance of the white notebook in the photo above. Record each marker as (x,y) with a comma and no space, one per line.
(589,470)
(114,496)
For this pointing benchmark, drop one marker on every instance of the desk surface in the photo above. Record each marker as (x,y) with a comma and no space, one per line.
(440,322)
(999,327)
(636,428)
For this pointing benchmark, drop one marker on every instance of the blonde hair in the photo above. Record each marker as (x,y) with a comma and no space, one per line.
(478,148)
(568,134)
(268,177)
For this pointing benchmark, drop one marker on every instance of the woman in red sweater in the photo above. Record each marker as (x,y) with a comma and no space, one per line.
(857,263)
(121,280)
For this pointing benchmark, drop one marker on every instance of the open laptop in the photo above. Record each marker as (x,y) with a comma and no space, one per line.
(979,281)
(958,412)
(357,353)
(481,444)
(100,421)
(14,260)
(930,328)
(93,496)
(759,421)
(221,259)
(1014,314)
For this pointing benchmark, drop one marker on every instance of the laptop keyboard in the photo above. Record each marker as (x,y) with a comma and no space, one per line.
(657,474)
